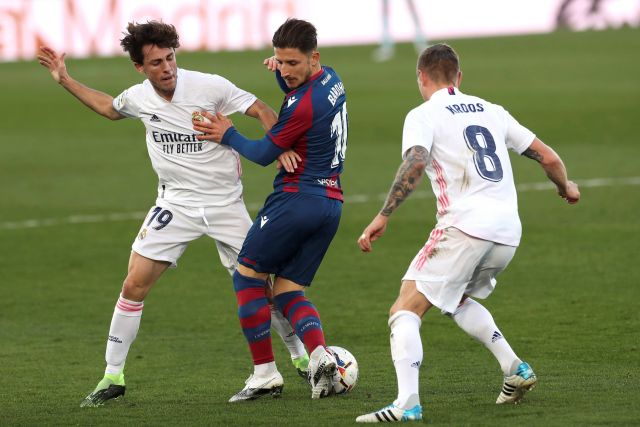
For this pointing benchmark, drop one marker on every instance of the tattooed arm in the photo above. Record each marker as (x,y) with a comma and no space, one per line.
(554,168)
(407,179)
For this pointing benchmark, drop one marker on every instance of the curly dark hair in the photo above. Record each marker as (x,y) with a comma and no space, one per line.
(297,34)
(153,33)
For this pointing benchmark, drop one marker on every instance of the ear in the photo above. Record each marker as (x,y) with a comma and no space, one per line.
(459,79)
(423,77)
(315,57)
(139,67)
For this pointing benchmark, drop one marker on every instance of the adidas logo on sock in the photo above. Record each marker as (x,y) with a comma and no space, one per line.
(155,118)
(496,336)
(115,339)
(416,365)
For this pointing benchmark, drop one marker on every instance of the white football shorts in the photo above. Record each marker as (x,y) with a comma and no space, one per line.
(452,264)
(168,229)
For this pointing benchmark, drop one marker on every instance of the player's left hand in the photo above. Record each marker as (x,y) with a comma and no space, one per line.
(271,63)
(213,128)
(288,160)
(373,232)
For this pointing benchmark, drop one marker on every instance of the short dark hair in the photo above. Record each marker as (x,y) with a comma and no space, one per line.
(296,33)
(440,62)
(152,32)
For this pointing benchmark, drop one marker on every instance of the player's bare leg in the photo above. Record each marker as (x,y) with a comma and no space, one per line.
(142,275)
(303,316)
(406,351)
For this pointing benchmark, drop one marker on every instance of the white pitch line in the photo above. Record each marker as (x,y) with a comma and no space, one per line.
(356,198)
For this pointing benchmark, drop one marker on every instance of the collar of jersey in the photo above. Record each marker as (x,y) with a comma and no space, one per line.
(308,82)
(444,92)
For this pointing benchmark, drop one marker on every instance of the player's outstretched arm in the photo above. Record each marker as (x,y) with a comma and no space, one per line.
(555,170)
(407,179)
(220,129)
(98,101)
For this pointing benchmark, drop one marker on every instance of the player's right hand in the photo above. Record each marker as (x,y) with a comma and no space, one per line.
(213,129)
(55,63)
(570,193)
(373,232)
(271,63)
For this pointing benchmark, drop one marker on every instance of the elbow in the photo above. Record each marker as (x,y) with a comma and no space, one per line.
(260,158)
(419,167)
(110,114)
(263,161)
(268,118)
(552,162)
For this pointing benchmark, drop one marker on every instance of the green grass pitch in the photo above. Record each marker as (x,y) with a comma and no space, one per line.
(568,303)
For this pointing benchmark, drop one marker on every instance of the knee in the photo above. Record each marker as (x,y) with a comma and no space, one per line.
(410,299)
(396,307)
(134,288)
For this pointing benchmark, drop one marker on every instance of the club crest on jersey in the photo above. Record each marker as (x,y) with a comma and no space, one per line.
(291,101)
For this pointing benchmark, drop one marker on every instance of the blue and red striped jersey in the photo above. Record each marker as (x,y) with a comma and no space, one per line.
(313,122)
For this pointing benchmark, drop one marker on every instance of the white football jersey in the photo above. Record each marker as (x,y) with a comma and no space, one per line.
(468,164)
(190,172)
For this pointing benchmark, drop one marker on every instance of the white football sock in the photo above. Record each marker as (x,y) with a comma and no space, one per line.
(406,352)
(284,329)
(264,369)
(473,318)
(124,328)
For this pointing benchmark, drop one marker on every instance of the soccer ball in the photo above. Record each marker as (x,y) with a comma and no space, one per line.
(346,375)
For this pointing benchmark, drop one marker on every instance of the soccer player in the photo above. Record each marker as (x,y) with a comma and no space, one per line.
(293,230)
(386,50)
(461,142)
(199,187)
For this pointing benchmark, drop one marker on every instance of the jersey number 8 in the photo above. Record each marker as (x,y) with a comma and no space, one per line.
(484,154)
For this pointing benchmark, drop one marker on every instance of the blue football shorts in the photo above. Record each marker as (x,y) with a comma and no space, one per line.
(290,235)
